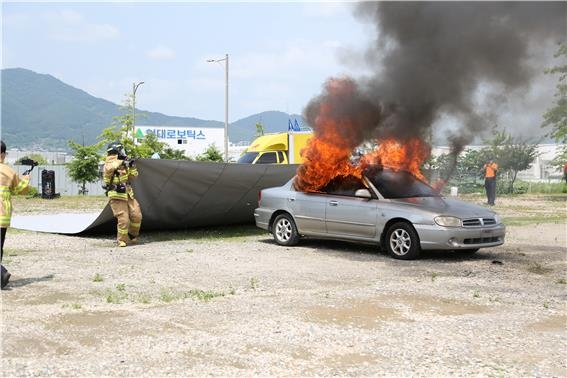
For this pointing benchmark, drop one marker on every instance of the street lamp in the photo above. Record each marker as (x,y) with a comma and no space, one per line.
(225,59)
(134,89)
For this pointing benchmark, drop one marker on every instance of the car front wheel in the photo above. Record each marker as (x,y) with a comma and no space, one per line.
(284,230)
(402,241)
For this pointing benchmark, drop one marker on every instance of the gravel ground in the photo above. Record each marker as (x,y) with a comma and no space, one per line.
(233,303)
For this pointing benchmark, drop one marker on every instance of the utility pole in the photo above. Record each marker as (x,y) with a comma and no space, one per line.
(225,59)
(134,89)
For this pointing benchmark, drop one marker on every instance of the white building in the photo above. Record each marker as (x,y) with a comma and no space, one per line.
(192,141)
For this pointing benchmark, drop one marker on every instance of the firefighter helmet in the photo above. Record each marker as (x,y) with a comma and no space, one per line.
(116,148)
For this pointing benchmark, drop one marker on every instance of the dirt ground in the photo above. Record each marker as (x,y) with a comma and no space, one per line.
(230,302)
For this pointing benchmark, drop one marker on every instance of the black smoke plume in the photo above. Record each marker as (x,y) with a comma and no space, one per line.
(432,58)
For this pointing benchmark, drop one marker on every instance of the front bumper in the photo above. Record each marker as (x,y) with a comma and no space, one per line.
(437,237)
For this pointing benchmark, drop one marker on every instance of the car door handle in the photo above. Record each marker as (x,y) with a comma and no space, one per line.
(333,203)
(291,199)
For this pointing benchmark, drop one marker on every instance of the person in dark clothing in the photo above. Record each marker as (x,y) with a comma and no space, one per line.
(490,170)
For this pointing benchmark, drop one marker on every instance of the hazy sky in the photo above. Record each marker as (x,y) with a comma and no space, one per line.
(280,54)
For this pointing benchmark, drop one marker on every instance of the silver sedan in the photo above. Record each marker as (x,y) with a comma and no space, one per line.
(392,209)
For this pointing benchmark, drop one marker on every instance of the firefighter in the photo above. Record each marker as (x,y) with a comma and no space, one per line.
(490,170)
(10,184)
(118,171)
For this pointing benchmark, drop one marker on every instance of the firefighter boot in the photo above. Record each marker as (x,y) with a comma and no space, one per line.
(5,276)
(133,239)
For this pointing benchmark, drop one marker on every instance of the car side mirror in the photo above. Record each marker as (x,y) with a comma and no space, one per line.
(363,193)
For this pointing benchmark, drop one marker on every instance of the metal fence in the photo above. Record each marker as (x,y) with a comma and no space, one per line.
(63,183)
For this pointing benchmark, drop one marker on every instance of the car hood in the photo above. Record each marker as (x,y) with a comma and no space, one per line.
(447,206)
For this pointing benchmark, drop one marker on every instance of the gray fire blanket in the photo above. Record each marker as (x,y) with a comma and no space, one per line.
(178,194)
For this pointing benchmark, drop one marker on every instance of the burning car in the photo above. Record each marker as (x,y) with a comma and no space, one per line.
(393,209)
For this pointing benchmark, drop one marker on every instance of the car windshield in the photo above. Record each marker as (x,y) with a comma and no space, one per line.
(398,184)
(247,158)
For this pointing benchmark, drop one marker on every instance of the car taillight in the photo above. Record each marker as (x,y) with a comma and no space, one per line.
(259,197)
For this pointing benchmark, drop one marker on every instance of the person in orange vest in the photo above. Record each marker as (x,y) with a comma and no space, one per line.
(118,171)
(490,170)
(10,184)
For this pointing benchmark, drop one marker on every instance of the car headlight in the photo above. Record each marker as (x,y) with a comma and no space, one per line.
(448,221)
(497,218)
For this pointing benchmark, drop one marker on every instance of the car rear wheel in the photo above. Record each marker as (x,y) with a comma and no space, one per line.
(402,241)
(284,230)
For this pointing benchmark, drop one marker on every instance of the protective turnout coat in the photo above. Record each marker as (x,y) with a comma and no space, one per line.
(126,210)
(10,184)
(117,176)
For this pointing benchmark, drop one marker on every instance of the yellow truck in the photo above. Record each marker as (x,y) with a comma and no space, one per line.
(277,148)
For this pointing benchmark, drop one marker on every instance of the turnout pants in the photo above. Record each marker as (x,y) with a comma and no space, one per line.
(129,217)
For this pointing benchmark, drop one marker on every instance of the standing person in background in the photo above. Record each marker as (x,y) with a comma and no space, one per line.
(490,170)
(565,172)
(118,171)
(10,184)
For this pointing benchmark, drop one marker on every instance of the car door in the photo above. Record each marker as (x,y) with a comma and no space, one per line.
(309,212)
(347,215)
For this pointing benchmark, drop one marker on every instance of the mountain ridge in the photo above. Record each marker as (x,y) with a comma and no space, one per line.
(42,112)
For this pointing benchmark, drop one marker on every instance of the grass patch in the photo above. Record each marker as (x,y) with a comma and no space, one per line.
(17,251)
(24,204)
(204,295)
(561,281)
(556,188)
(537,268)
(73,306)
(168,295)
(144,298)
(522,221)
(98,278)
(238,233)
(254,283)
(116,296)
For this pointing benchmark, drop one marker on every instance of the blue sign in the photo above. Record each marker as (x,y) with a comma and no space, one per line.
(294,126)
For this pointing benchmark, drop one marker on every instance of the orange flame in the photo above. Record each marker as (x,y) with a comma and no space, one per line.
(399,155)
(328,153)
(324,160)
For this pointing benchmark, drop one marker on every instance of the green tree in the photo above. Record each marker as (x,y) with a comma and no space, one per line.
(149,145)
(212,153)
(36,157)
(556,117)
(443,165)
(471,163)
(84,167)
(170,153)
(512,155)
(122,130)
(259,130)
